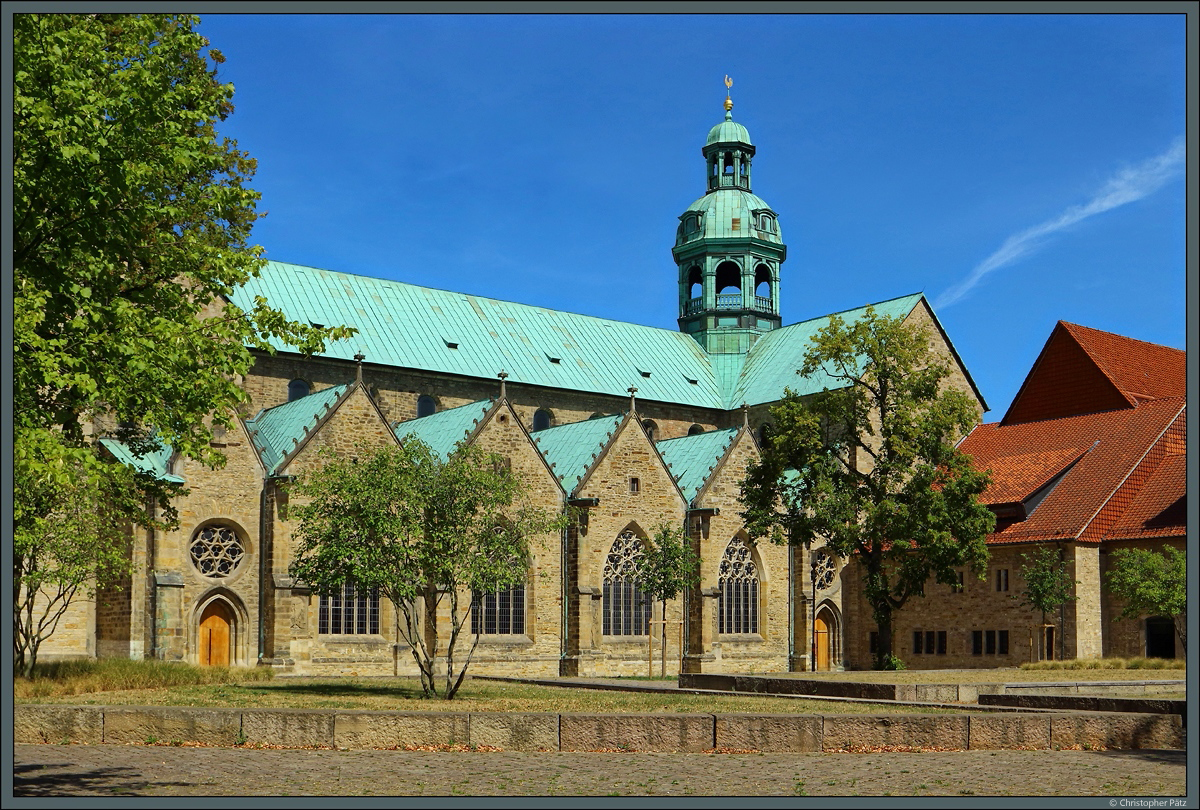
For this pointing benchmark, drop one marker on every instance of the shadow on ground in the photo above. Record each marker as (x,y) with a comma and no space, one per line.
(48,780)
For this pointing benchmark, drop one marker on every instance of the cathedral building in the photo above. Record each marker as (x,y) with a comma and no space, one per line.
(633,426)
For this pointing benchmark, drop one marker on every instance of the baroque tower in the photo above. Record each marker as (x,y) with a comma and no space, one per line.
(728,249)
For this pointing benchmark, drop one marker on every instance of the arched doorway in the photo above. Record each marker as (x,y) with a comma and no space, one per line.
(826,641)
(821,642)
(216,634)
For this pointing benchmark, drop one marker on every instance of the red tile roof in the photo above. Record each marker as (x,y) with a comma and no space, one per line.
(1160,507)
(1082,370)
(1109,446)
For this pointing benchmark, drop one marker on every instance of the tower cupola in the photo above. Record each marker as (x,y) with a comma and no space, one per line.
(728,248)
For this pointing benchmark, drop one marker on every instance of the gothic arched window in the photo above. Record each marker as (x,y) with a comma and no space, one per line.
(499,613)
(297,389)
(626,606)
(737,579)
(426,406)
(542,419)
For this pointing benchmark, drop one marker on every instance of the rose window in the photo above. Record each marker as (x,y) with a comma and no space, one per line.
(823,569)
(216,551)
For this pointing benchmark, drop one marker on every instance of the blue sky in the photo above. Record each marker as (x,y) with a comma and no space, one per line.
(1017,169)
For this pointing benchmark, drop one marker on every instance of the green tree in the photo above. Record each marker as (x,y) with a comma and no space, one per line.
(1048,585)
(870,465)
(131,220)
(424,533)
(1151,583)
(665,568)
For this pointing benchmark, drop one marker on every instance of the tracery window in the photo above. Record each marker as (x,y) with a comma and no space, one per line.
(216,551)
(499,613)
(626,606)
(349,611)
(737,580)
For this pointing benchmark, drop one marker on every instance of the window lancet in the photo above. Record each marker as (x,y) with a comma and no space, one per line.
(626,607)
(737,605)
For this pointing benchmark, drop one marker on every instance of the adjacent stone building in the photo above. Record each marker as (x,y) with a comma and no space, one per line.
(1089,458)
(631,427)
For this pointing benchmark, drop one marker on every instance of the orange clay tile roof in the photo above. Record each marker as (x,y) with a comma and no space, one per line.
(1082,370)
(1109,447)
(1160,507)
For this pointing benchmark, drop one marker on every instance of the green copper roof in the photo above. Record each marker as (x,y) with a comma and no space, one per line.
(728,131)
(691,459)
(572,449)
(772,362)
(442,431)
(277,431)
(720,207)
(154,462)
(407,326)
(414,327)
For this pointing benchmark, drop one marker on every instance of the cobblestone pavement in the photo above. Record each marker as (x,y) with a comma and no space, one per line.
(138,770)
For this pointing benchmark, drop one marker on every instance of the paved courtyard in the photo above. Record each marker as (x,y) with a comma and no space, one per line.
(140,770)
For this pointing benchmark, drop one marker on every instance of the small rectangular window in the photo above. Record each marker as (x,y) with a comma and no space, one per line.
(873,642)
(917,636)
(736,224)
(635,485)
(941,642)
(929,642)
(976,642)
(958,586)
(990,638)
(1003,647)
(1001,579)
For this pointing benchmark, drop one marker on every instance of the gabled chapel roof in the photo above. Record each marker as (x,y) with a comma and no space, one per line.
(572,449)
(154,462)
(278,431)
(692,459)
(444,430)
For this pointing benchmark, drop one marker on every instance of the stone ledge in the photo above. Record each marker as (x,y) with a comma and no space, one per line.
(538,731)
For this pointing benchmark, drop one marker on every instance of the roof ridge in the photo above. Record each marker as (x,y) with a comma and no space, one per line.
(484,298)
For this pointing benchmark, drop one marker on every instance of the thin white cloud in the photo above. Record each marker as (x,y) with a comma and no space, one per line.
(1127,186)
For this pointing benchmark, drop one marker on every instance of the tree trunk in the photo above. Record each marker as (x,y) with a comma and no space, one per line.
(883,620)
(664,639)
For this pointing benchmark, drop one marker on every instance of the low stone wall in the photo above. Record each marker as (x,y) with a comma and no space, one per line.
(918,692)
(333,728)
(1087,703)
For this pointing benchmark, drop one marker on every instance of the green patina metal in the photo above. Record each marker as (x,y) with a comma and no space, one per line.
(154,462)
(729,250)
(278,431)
(692,459)
(572,449)
(445,430)
(771,366)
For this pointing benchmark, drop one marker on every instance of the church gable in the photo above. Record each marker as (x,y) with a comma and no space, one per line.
(349,424)
(692,459)
(501,432)
(1065,381)
(630,476)
(723,485)
(445,430)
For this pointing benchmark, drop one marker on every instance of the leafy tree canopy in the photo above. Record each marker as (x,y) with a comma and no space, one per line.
(131,220)
(424,533)
(1048,585)
(1151,583)
(871,466)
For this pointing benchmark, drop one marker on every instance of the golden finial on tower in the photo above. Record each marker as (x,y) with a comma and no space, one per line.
(728,100)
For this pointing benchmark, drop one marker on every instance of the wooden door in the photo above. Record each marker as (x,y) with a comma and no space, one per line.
(822,635)
(214,635)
